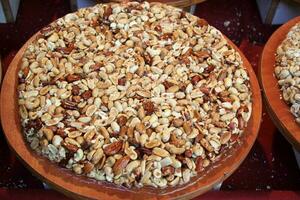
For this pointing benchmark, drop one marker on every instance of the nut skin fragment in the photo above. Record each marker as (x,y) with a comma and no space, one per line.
(86,95)
(72,78)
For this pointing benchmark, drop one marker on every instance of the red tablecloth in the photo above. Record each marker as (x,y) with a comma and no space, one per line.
(269,166)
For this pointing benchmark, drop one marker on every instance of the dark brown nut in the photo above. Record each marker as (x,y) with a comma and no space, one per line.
(234,137)
(232,125)
(205,90)
(144,150)
(148,107)
(241,122)
(86,95)
(120,164)
(61,132)
(147,58)
(113,148)
(181,158)
(70,147)
(72,78)
(167,170)
(70,105)
(182,14)
(188,153)
(199,164)
(107,12)
(122,81)
(199,138)
(88,167)
(122,120)
(66,50)
(158,28)
(167,84)
(195,79)
(166,36)
(202,22)
(182,87)
(35,124)
(75,90)
(209,69)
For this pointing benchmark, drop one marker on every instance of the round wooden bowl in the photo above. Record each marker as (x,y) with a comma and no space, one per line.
(79,187)
(278,108)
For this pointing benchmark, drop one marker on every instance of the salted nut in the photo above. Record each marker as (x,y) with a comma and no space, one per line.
(287,70)
(136,94)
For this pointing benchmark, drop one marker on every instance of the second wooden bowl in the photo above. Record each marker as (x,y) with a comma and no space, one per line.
(278,109)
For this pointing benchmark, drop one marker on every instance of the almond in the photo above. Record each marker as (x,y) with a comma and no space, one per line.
(113,148)
(195,79)
(72,78)
(86,95)
(120,164)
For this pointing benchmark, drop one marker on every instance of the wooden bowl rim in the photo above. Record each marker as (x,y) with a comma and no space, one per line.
(80,187)
(278,109)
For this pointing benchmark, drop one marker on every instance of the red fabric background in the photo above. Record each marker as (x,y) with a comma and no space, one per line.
(270,165)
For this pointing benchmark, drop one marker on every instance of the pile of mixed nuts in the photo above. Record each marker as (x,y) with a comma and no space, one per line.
(287,70)
(135,94)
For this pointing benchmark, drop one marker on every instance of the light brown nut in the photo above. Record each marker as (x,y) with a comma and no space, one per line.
(140,127)
(153,143)
(177,122)
(174,150)
(206,145)
(225,137)
(48,133)
(187,127)
(98,154)
(160,152)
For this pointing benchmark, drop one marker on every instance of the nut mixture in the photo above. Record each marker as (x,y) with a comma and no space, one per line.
(135,94)
(287,70)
